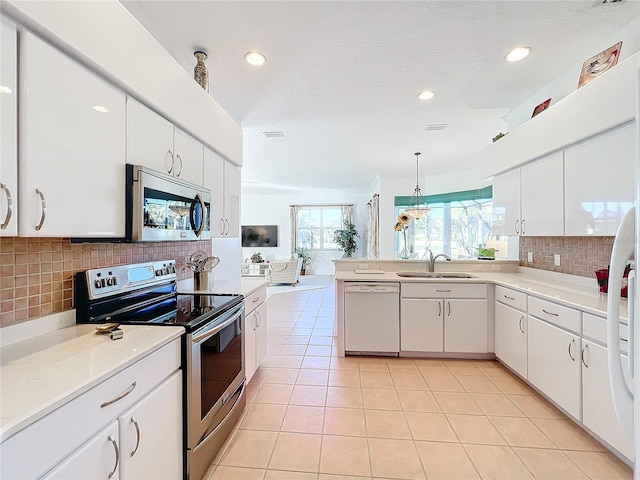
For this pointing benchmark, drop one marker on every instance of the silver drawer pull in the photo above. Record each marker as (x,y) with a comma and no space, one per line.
(135,424)
(43,215)
(115,447)
(7,217)
(119,397)
(550,313)
(585,349)
(443,291)
(257,299)
(509,298)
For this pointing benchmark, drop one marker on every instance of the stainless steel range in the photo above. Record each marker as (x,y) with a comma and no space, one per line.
(213,360)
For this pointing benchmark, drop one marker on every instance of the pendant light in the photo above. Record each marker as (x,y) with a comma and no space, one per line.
(417,207)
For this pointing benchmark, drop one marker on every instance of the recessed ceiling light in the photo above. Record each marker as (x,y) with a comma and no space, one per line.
(518,54)
(100,108)
(426,95)
(255,58)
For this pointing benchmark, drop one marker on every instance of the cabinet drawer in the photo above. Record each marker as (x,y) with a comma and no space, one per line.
(255,299)
(443,290)
(595,328)
(56,435)
(513,298)
(559,315)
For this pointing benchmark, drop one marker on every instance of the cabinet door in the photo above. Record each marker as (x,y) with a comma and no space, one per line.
(149,138)
(261,333)
(465,325)
(543,197)
(553,363)
(8,129)
(511,337)
(189,153)
(232,200)
(599,182)
(250,326)
(421,325)
(72,147)
(506,203)
(98,458)
(151,434)
(597,407)
(214,180)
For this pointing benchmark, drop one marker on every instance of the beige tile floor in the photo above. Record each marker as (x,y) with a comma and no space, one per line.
(314,416)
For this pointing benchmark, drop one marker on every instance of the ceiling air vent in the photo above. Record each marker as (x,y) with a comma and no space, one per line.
(435,126)
(273,134)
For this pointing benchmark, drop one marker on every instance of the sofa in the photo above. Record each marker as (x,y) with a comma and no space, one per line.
(286,271)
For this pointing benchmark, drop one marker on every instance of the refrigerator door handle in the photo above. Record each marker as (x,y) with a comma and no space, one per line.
(621,392)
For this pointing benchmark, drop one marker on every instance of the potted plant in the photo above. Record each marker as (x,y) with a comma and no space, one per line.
(305,255)
(346,239)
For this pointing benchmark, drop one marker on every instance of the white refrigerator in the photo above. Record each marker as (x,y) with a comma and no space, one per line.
(625,392)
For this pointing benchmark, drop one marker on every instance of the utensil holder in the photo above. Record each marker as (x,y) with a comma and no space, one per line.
(201,280)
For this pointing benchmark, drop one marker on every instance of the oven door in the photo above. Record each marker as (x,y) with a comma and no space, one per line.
(215,372)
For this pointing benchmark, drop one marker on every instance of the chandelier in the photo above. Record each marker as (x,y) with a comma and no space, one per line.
(417,207)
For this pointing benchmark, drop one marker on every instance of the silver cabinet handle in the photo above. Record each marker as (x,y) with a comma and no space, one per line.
(522,226)
(221,226)
(120,397)
(177,174)
(509,298)
(444,291)
(135,424)
(448,309)
(254,322)
(515,226)
(520,324)
(550,313)
(7,192)
(226,226)
(257,299)
(259,319)
(572,342)
(173,160)
(115,447)
(43,215)
(586,347)
(439,308)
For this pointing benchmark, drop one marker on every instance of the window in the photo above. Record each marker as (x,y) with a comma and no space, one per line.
(456,224)
(316,226)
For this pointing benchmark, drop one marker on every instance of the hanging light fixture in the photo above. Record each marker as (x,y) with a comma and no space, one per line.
(417,207)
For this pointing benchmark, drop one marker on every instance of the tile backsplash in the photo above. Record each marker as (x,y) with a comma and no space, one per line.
(578,255)
(37,275)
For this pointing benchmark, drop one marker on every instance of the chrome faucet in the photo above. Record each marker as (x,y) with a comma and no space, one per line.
(432,259)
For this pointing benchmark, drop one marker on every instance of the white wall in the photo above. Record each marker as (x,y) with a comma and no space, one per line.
(273,209)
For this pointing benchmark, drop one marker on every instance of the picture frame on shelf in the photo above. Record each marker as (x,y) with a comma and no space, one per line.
(541,107)
(600,63)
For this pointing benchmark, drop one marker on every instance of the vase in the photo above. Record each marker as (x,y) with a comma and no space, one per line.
(404,253)
(200,72)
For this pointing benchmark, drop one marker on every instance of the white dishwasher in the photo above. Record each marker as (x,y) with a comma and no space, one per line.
(372,318)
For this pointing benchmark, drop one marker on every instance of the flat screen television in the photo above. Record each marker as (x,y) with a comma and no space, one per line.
(259,235)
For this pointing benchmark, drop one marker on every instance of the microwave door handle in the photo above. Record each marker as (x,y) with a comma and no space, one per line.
(192,214)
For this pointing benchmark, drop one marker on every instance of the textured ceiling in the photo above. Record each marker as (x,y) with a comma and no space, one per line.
(342,78)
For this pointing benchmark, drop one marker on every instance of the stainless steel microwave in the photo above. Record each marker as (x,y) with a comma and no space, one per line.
(163,208)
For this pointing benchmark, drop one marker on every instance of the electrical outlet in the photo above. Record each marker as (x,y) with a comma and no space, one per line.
(530,257)
(556,259)
(363,266)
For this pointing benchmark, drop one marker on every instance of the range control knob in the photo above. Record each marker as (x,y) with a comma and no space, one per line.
(158,273)
(97,283)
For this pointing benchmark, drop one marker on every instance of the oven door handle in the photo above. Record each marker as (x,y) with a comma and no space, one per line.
(210,331)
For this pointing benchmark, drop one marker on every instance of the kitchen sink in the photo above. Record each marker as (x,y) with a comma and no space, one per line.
(434,275)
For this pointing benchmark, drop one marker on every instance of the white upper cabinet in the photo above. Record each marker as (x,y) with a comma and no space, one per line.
(542,197)
(154,142)
(599,182)
(8,129)
(223,178)
(72,147)
(506,203)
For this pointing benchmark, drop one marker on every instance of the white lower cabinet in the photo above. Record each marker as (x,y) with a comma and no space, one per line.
(255,331)
(553,363)
(511,337)
(450,323)
(598,414)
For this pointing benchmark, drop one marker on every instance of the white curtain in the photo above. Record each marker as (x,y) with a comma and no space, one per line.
(347,214)
(293,215)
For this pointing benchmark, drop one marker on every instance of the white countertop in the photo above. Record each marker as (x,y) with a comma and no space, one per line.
(41,374)
(560,292)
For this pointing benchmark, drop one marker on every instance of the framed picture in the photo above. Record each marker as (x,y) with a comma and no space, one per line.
(600,63)
(543,106)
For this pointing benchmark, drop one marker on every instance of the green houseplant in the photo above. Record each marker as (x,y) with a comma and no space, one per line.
(346,239)
(305,255)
